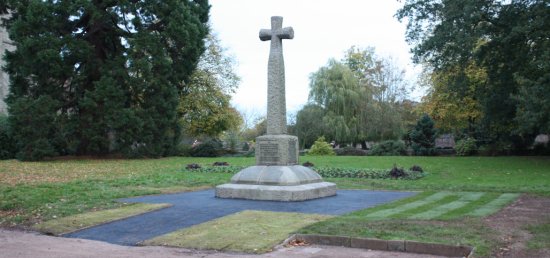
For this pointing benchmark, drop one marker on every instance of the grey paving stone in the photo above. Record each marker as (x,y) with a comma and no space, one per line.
(192,208)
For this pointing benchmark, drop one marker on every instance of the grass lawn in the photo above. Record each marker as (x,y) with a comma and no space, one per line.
(34,191)
(461,189)
(473,174)
(456,216)
(541,235)
(246,231)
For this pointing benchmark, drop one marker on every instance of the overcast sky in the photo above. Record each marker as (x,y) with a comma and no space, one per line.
(323,29)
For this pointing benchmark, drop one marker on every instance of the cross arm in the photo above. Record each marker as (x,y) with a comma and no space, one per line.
(286,33)
(265,34)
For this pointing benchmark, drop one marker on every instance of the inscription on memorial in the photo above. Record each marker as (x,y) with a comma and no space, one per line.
(292,152)
(269,153)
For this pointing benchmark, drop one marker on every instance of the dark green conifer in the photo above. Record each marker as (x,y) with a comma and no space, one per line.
(100,77)
(423,136)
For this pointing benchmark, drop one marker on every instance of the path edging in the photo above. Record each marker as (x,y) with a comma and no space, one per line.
(385,245)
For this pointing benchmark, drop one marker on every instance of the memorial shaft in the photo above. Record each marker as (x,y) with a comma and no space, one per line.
(276,103)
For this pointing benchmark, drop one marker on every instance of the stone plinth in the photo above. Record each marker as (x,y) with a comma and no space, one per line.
(276,183)
(276,175)
(276,193)
(277,150)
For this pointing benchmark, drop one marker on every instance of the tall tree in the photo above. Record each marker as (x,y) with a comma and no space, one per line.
(507,39)
(205,107)
(454,111)
(382,86)
(361,98)
(335,88)
(109,72)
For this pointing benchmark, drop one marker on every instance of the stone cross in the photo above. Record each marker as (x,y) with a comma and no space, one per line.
(276,104)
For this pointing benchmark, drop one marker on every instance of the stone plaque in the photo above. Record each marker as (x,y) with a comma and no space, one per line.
(269,153)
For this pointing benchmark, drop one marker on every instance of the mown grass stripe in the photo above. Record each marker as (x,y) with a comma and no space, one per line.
(494,205)
(464,200)
(392,211)
(427,207)
(362,213)
(461,212)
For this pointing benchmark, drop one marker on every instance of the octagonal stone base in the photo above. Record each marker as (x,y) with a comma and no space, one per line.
(276,193)
(276,183)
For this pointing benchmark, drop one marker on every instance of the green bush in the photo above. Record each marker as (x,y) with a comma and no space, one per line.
(495,149)
(416,168)
(389,148)
(211,148)
(350,151)
(183,150)
(541,149)
(466,147)
(245,147)
(321,148)
(192,166)
(7,151)
(308,164)
(396,172)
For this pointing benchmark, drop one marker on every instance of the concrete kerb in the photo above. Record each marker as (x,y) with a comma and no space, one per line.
(385,245)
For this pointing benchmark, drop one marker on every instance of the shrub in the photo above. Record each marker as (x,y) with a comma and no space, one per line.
(211,148)
(220,163)
(321,148)
(396,172)
(350,151)
(416,168)
(246,147)
(494,149)
(183,150)
(541,149)
(308,164)
(250,153)
(7,151)
(466,147)
(389,148)
(192,166)
(423,136)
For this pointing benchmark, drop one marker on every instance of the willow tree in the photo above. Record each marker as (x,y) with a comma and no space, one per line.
(98,77)
(335,88)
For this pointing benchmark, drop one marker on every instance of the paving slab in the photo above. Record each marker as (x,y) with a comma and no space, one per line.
(17,244)
(192,208)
